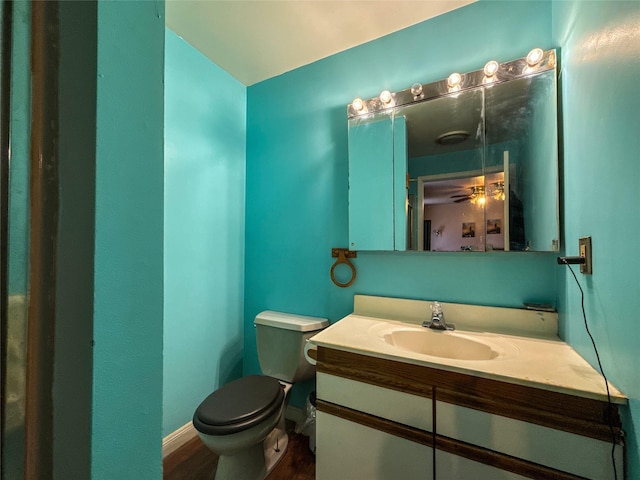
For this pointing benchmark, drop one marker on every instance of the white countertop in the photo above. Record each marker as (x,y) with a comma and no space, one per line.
(545,363)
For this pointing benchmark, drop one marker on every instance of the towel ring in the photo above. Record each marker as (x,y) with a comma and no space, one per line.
(343,255)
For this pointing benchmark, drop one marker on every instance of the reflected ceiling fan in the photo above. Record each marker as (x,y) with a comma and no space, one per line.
(477,195)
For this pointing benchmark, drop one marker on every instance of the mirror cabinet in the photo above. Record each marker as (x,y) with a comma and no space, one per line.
(469,163)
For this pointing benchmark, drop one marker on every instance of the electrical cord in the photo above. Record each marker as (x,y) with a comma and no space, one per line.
(606,382)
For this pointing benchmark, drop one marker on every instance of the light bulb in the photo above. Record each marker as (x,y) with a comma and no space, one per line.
(416,89)
(357,104)
(385,97)
(534,57)
(454,80)
(491,68)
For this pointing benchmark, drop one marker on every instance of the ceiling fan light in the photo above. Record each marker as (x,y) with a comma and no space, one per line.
(477,195)
(497,192)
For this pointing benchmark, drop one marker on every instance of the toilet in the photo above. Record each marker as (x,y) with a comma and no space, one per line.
(243,421)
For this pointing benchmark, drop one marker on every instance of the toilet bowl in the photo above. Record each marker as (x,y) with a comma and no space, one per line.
(243,421)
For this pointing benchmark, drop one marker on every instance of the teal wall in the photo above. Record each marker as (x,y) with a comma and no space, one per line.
(297,170)
(462,161)
(205,121)
(600,70)
(127,358)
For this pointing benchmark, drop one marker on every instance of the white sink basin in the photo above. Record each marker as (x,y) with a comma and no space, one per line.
(440,344)
(445,344)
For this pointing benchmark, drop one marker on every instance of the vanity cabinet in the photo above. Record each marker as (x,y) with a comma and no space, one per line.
(380,418)
(351,450)
(366,432)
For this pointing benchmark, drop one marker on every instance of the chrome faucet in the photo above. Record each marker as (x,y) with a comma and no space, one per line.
(437,321)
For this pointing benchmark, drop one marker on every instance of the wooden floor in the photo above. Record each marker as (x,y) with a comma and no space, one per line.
(194,461)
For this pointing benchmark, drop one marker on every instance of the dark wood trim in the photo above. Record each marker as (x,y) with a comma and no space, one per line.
(313,353)
(77,96)
(377,423)
(43,232)
(579,415)
(500,460)
(558,420)
(375,371)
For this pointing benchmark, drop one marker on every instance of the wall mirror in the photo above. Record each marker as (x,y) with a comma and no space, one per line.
(469,163)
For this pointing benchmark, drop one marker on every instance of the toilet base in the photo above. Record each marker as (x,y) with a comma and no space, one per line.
(274,447)
(256,462)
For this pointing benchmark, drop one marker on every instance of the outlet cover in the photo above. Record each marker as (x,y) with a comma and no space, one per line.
(584,249)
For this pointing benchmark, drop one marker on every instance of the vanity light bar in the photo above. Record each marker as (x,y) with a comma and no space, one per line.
(536,61)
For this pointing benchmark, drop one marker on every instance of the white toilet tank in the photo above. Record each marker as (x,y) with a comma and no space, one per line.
(281,338)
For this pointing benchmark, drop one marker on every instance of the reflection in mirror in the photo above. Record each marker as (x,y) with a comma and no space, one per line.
(482,163)
(521,117)
(446,150)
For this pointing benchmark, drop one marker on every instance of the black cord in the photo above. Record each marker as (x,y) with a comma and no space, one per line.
(606,382)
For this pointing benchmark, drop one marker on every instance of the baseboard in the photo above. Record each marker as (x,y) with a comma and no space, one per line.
(177,439)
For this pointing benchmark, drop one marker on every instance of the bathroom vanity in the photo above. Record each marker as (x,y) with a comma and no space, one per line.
(501,397)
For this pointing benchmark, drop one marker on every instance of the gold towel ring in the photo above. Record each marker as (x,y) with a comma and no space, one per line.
(343,254)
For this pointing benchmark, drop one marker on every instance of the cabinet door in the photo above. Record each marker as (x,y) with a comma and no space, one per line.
(399,407)
(371,215)
(348,450)
(568,452)
(453,467)
(378,183)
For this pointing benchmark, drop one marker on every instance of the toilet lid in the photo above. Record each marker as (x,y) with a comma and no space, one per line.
(239,405)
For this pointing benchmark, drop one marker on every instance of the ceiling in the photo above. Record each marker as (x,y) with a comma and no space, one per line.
(259,39)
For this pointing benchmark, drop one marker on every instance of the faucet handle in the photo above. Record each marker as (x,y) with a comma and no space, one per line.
(436,308)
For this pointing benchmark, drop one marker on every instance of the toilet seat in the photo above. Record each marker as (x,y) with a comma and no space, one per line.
(239,405)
